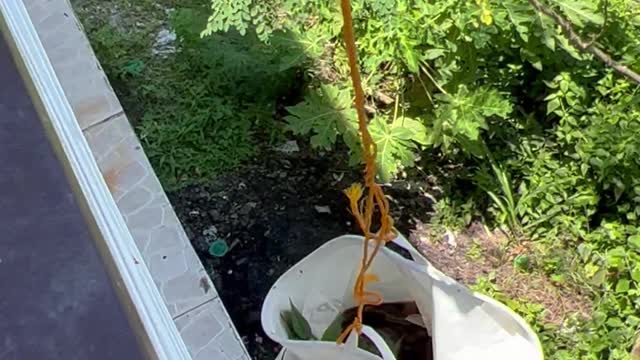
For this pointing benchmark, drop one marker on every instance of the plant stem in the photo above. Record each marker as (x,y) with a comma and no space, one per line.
(581,44)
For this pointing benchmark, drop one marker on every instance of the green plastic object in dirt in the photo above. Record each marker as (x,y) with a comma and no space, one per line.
(218,248)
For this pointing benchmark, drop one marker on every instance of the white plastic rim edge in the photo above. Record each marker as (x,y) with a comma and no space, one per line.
(160,329)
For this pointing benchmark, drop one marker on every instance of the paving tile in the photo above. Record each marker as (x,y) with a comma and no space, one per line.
(183,292)
(154,226)
(80,75)
(209,333)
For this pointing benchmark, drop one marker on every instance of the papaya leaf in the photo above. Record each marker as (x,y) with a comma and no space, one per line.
(463,115)
(298,47)
(325,113)
(577,11)
(396,143)
(521,17)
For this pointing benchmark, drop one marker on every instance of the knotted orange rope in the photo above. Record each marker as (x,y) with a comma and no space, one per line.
(363,210)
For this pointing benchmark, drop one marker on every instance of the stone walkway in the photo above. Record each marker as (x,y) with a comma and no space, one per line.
(191,298)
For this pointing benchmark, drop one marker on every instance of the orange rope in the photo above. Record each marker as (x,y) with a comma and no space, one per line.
(363,210)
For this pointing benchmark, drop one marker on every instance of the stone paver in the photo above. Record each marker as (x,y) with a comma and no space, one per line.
(80,74)
(173,264)
(201,323)
(187,290)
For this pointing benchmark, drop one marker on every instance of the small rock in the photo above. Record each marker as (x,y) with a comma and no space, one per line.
(450,239)
(258,339)
(242,261)
(288,147)
(215,214)
(229,272)
(270,272)
(194,213)
(211,231)
(234,243)
(323,209)
(246,208)
(337,178)
(165,43)
(115,20)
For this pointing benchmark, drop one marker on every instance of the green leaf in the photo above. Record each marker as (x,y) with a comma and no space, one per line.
(579,10)
(634,241)
(599,277)
(396,143)
(616,257)
(553,105)
(584,250)
(325,113)
(410,57)
(334,329)
(622,286)
(569,48)
(532,57)
(545,30)
(464,114)
(299,324)
(325,135)
(614,322)
(287,321)
(617,252)
(296,47)
(134,67)
(498,202)
(433,54)
(521,18)
(521,262)
(635,273)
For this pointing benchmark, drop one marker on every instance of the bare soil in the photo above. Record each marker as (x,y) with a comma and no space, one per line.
(494,256)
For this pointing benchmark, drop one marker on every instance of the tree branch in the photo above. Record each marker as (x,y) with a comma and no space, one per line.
(582,45)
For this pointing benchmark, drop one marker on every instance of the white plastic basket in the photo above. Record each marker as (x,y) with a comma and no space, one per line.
(463,325)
